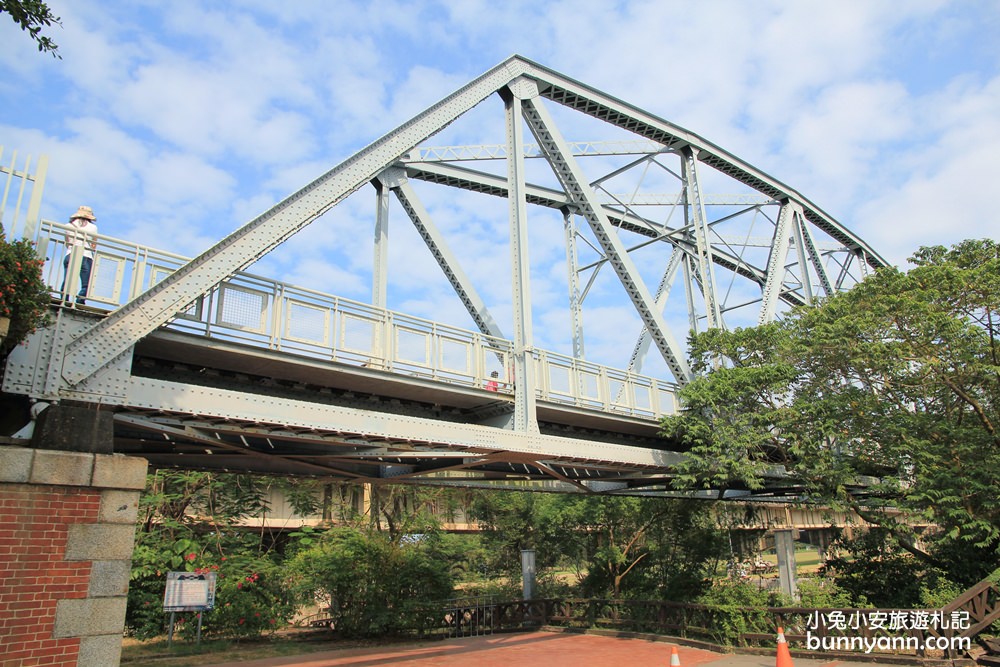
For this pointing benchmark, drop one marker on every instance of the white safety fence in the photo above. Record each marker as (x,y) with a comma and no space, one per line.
(264,313)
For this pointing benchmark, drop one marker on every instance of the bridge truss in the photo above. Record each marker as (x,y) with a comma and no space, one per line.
(637,209)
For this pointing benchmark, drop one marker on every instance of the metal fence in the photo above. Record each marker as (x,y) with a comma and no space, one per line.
(730,625)
(469,616)
(264,313)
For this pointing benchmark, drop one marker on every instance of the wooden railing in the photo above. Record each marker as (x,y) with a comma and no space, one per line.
(982,603)
(898,631)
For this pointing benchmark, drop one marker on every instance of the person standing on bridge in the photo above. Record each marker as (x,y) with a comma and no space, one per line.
(492,384)
(82,234)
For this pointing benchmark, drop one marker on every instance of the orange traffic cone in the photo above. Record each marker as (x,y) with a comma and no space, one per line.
(784,657)
(675,660)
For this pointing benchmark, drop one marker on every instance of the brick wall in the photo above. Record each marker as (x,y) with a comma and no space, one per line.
(34,575)
(67,524)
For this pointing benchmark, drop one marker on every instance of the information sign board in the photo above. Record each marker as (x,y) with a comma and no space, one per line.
(189,591)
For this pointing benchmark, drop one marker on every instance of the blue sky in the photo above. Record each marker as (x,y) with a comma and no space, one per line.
(180,121)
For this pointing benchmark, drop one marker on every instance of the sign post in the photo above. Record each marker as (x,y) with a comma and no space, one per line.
(188,591)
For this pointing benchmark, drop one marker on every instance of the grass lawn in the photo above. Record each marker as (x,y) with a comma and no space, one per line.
(806,562)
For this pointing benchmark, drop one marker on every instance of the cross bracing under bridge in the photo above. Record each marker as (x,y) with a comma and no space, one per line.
(208,366)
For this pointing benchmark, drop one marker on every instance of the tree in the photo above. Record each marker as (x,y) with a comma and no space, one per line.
(642,547)
(883,397)
(32,16)
(512,521)
(618,546)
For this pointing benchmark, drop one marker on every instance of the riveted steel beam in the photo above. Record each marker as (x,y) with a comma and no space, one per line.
(445,258)
(787,220)
(366,425)
(576,186)
(809,245)
(704,251)
(515,98)
(573,282)
(122,328)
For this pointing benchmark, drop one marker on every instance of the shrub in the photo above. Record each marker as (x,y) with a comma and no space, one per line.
(824,593)
(740,607)
(24,298)
(374,586)
(250,598)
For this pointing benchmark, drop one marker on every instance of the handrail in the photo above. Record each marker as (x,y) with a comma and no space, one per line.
(719,625)
(257,311)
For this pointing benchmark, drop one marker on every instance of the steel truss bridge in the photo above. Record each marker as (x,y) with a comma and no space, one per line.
(208,366)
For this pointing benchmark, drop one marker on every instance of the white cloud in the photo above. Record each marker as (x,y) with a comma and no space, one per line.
(196,117)
(940,197)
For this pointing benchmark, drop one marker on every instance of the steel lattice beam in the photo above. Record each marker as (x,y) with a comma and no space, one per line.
(446,259)
(118,332)
(576,186)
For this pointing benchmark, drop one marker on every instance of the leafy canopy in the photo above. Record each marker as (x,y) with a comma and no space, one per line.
(884,399)
(32,16)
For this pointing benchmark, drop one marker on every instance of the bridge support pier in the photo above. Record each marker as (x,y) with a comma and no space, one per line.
(67,528)
(784,546)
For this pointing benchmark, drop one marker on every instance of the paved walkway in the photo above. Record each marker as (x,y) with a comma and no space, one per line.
(534,649)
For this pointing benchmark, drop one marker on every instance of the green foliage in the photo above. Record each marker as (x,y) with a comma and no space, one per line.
(824,593)
(939,593)
(734,414)
(892,387)
(873,570)
(513,521)
(739,607)
(617,546)
(32,16)
(251,597)
(189,522)
(645,548)
(374,586)
(24,298)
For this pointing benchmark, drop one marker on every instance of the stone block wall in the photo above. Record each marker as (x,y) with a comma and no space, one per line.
(67,525)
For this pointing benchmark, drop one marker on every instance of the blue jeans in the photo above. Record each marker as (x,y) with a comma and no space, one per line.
(86,264)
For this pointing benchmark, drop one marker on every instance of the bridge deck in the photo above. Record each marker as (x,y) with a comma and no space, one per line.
(262,376)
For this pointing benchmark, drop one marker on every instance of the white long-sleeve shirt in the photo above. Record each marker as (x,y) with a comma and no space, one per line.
(84,235)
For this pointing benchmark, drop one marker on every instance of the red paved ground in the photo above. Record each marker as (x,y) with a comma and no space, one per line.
(536,649)
(543,649)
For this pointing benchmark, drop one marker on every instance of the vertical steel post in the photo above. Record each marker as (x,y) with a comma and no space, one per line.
(380,273)
(31,226)
(690,274)
(525,416)
(706,263)
(380,264)
(575,302)
(527,573)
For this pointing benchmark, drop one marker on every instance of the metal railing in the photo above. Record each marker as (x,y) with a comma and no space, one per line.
(469,616)
(722,626)
(264,313)
(21,187)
